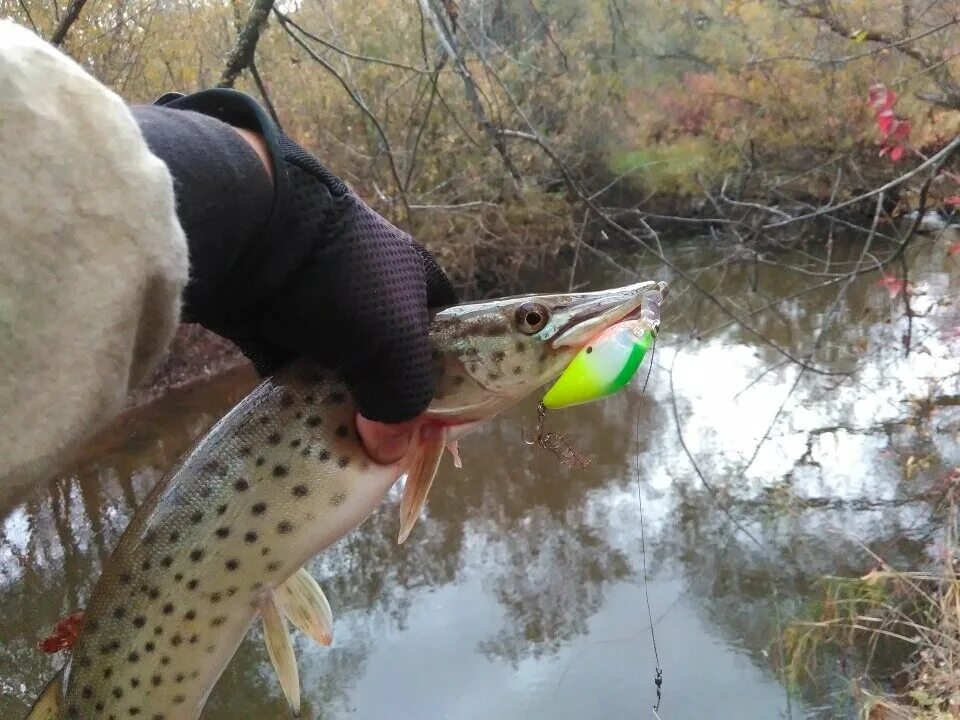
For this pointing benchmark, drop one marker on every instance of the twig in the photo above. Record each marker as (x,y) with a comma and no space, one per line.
(755,206)
(546,29)
(908,311)
(355,56)
(357,100)
(422,126)
(614,211)
(457,207)
(262,89)
(696,467)
(26,11)
(576,252)
(887,44)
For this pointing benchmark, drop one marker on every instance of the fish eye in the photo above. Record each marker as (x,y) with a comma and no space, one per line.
(531,317)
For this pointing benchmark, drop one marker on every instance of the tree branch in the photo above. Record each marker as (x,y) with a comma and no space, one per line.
(449,45)
(242,55)
(894,45)
(68,19)
(939,72)
(614,225)
(936,161)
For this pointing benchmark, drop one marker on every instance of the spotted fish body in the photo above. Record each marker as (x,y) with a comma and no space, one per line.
(280,478)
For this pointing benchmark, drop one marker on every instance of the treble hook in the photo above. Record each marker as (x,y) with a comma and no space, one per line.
(554,442)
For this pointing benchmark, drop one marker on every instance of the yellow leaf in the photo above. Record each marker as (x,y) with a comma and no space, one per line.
(911,467)
(874,576)
(858,36)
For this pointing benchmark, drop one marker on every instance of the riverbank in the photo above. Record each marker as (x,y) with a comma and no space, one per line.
(195,354)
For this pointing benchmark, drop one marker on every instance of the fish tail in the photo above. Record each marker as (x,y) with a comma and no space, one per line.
(50,705)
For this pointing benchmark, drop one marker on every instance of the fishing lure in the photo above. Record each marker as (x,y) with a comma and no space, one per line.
(607,364)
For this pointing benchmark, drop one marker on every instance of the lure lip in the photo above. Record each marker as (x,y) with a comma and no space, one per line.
(599,313)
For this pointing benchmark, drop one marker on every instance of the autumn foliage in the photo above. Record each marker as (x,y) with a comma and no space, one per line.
(674,97)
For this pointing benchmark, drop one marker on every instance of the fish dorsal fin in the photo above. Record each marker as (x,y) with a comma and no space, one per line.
(280,648)
(423,466)
(301,601)
(49,706)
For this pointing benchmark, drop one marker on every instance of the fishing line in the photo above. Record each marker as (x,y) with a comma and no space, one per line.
(658,678)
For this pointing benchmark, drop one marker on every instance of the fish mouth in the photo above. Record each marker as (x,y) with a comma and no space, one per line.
(595,312)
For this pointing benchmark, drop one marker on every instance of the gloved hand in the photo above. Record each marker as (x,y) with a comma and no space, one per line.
(326,277)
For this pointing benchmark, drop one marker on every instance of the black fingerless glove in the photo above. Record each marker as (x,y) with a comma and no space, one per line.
(306,269)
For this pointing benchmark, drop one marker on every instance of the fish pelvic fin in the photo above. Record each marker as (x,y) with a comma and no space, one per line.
(301,601)
(50,705)
(280,648)
(423,466)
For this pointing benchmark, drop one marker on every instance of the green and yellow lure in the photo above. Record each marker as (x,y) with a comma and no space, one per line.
(607,364)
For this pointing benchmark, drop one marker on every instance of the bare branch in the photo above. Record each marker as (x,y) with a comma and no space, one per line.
(68,19)
(891,45)
(546,29)
(896,255)
(355,56)
(457,207)
(262,89)
(242,55)
(26,11)
(357,100)
(935,161)
(939,72)
(412,162)
(610,222)
(449,45)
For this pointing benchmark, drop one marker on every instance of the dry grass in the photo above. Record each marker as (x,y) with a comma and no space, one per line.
(889,612)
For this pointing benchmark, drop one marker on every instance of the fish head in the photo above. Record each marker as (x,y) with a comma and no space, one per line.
(490,354)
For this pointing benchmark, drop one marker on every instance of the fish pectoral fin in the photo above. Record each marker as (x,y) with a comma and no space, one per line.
(280,648)
(454,449)
(301,601)
(423,467)
(50,705)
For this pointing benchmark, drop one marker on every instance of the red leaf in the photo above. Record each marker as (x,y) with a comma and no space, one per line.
(894,285)
(885,121)
(953,249)
(900,131)
(880,97)
(64,634)
(896,153)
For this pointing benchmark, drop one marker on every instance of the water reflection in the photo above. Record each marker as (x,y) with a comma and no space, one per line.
(521,593)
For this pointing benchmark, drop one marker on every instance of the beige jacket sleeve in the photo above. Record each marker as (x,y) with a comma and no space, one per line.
(92,258)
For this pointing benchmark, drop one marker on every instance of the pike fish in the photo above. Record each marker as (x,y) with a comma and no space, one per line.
(222,538)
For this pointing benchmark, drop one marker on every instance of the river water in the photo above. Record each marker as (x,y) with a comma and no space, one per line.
(522,593)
